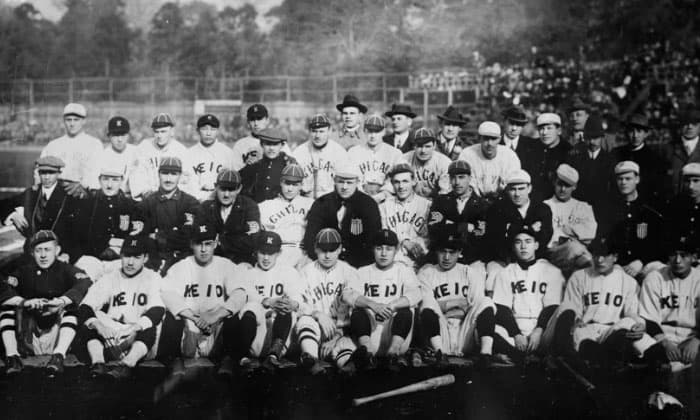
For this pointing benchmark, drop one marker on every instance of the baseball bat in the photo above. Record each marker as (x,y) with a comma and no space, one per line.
(579,378)
(427,384)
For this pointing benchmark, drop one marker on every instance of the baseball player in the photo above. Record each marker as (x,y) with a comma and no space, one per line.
(351,133)
(526,292)
(286,215)
(45,294)
(573,224)
(247,150)
(206,159)
(199,293)
(382,300)
(490,162)
(429,166)
(374,158)
(77,149)
(118,154)
(319,157)
(120,313)
(668,302)
(279,302)
(235,217)
(261,180)
(599,316)
(320,332)
(683,210)
(150,154)
(456,316)
(406,214)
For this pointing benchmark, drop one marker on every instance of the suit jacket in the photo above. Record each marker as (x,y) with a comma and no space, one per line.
(504,214)
(454,151)
(544,166)
(527,150)
(596,176)
(234,241)
(677,157)
(653,171)
(408,144)
(470,224)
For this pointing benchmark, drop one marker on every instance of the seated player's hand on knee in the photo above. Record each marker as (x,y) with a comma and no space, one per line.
(520,342)
(534,340)
(103,330)
(54,306)
(673,353)
(636,332)
(203,325)
(35,304)
(381,311)
(326,324)
(689,350)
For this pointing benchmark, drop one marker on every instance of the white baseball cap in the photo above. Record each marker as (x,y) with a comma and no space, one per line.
(489,129)
(75,109)
(548,118)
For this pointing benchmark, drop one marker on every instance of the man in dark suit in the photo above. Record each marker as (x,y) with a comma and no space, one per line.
(514,119)
(448,141)
(681,152)
(554,152)
(401,119)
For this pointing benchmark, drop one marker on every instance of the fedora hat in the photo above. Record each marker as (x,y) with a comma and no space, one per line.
(402,109)
(351,100)
(451,115)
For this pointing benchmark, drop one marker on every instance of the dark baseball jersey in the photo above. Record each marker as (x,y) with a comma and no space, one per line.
(261,180)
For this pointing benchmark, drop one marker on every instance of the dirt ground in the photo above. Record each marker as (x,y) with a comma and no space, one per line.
(537,392)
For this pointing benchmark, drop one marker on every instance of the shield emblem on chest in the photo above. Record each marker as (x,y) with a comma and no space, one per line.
(124,222)
(642,230)
(356,226)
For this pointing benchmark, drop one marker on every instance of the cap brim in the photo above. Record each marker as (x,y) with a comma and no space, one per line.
(268,249)
(408,114)
(328,247)
(450,120)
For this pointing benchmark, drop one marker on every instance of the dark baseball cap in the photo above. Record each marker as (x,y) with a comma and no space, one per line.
(203,232)
(268,242)
(118,126)
(134,245)
(208,119)
(385,237)
(256,112)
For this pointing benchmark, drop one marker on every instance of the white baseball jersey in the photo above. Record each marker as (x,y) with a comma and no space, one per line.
(249,148)
(431,175)
(188,285)
(286,218)
(463,281)
(126,298)
(148,157)
(572,218)
(203,164)
(375,163)
(489,175)
(527,292)
(670,301)
(276,282)
(408,219)
(598,299)
(79,154)
(110,158)
(319,166)
(384,286)
(324,289)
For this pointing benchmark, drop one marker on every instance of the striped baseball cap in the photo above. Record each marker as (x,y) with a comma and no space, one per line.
(400,168)
(318,121)
(374,124)
(228,178)
(459,167)
(42,236)
(162,120)
(328,239)
(271,135)
(292,172)
(170,164)
(424,135)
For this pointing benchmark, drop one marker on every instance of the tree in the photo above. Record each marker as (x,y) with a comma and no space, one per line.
(112,40)
(165,36)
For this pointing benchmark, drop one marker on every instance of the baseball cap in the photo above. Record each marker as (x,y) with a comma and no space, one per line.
(385,237)
(567,174)
(111,168)
(118,126)
(447,237)
(203,232)
(75,109)
(268,242)
(228,178)
(49,163)
(374,124)
(318,121)
(271,135)
(42,236)
(691,169)
(459,167)
(162,120)
(601,246)
(347,170)
(292,172)
(518,177)
(489,129)
(638,120)
(593,128)
(681,243)
(548,118)
(400,168)
(423,135)
(626,166)
(134,245)
(170,164)
(518,228)
(256,112)
(328,239)
(208,119)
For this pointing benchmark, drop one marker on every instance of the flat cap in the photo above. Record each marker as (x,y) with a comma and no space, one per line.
(49,163)
(42,236)
(134,245)
(162,120)
(400,168)
(400,109)
(567,174)
(691,169)
(268,242)
(518,177)
(256,112)
(515,114)
(626,166)
(638,120)
(111,168)
(548,118)
(423,135)
(170,164)
(489,129)
(292,172)
(118,126)
(593,128)
(319,121)
(208,119)
(271,135)
(374,124)
(385,237)
(347,170)
(75,109)
(228,178)
(328,239)
(459,167)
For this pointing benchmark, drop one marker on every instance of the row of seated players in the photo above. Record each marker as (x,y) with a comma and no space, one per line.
(240,315)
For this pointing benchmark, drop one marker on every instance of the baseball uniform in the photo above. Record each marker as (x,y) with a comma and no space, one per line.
(319,166)
(247,150)
(203,163)
(375,164)
(409,220)
(288,219)
(431,176)
(144,177)
(489,175)
(109,157)
(79,153)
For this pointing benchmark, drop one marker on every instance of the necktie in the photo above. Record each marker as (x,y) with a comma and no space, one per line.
(41,208)
(341,214)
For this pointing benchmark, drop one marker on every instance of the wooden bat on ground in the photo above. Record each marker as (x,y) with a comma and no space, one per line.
(579,378)
(427,384)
